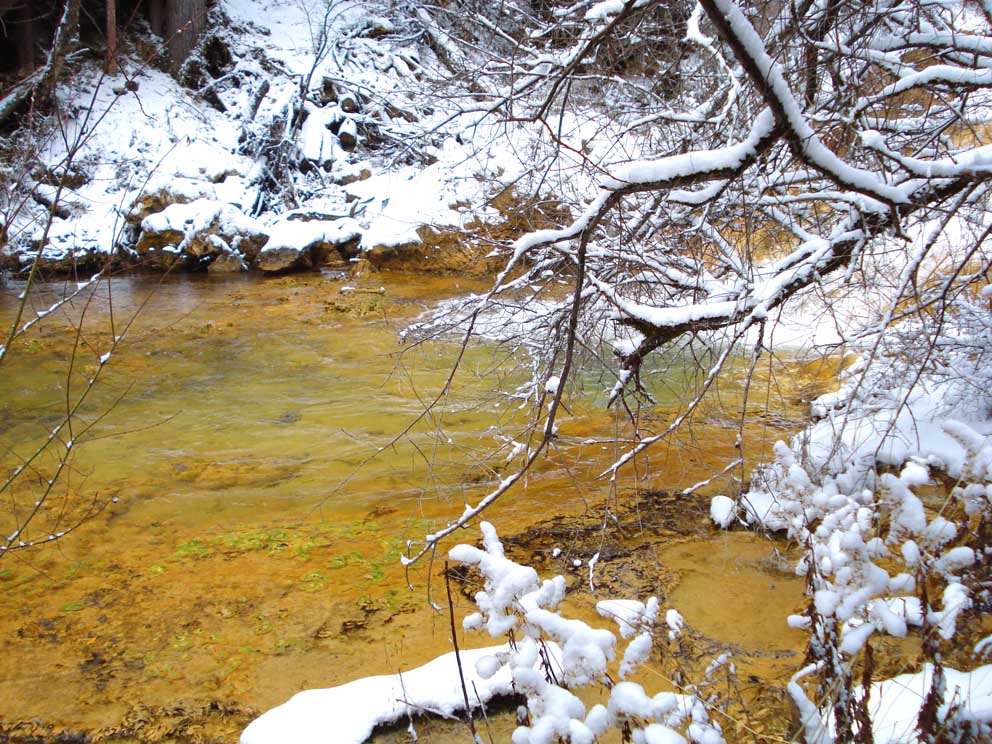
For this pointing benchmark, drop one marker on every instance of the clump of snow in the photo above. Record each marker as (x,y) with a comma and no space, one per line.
(551,386)
(627,613)
(723,511)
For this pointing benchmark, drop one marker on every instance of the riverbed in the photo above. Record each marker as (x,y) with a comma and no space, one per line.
(247,503)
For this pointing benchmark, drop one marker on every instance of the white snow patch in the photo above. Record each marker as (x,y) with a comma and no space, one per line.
(347,714)
(895,703)
(723,511)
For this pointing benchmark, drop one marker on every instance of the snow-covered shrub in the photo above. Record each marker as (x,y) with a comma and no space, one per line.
(889,493)
(516,603)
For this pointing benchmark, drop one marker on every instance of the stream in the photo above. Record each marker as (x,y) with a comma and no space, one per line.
(246,546)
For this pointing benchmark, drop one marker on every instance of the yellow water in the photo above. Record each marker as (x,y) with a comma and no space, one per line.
(253,547)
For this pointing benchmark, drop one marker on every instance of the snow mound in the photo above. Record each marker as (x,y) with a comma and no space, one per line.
(197,216)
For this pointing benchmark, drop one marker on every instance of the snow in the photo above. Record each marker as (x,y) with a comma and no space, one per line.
(675,167)
(627,613)
(658,734)
(398,202)
(140,142)
(197,215)
(317,143)
(351,711)
(603,10)
(723,511)
(298,235)
(895,703)
(764,509)
(159,144)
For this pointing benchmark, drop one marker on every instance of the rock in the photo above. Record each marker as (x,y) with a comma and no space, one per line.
(178,190)
(192,228)
(450,251)
(307,244)
(69,178)
(348,103)
(348,175)
(377,27)
(334,118)
(282,258)
(226,260)
(227,263)
(192,170)
(348,135)
(328,93)
(80,260)
(159,259)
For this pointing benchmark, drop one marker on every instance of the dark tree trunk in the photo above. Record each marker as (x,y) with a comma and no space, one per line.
(66,32)
(16,30)
(24,31)
(156,16)
(184,20)
(25,39)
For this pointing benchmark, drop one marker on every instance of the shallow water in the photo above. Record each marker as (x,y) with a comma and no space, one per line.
(253,547)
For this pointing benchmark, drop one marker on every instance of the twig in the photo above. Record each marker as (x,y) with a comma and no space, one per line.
(458,657)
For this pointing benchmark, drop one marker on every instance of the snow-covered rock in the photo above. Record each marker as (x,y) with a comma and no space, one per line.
(295,242)
(162,193)
(190,230)
(80,242)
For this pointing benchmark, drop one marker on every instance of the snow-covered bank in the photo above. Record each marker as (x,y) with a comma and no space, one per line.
(347,714)
(366,142)
(889,490)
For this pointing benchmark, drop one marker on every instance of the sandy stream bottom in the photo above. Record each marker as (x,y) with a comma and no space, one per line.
(235,568)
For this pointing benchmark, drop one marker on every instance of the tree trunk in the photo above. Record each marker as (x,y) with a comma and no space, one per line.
(184,20)
(67,30)
(16,27)
(24,33)
(156,16)
(111,65)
